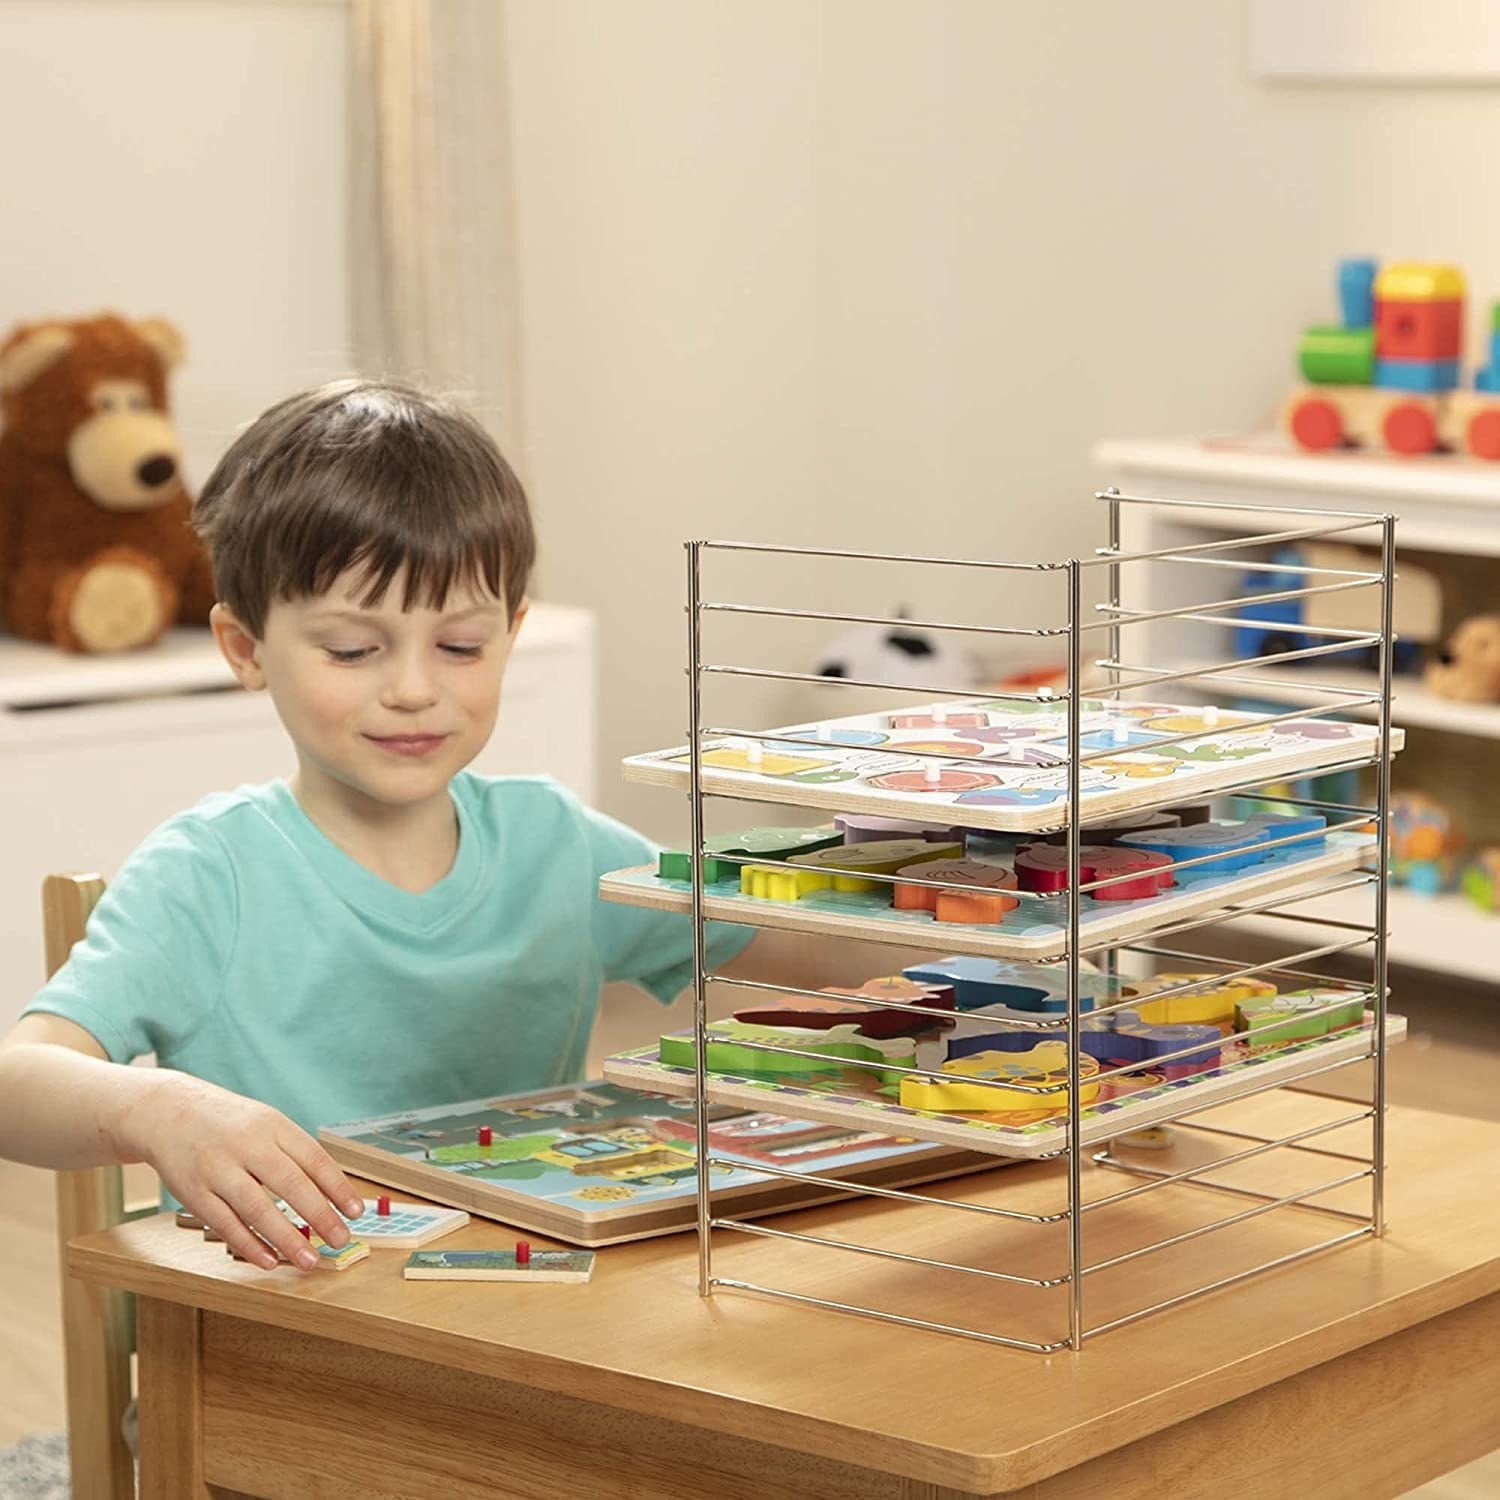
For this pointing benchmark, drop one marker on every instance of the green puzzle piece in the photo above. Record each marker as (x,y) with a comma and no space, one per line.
(725,1056)
(753,843)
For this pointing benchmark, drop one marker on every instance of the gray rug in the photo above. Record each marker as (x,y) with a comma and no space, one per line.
(36,1468)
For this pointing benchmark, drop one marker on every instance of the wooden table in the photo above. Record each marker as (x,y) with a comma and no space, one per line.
(1356,1373)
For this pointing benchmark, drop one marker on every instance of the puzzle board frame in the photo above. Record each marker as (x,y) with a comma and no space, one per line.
(838,763)
(1103,1121)
(1037,931)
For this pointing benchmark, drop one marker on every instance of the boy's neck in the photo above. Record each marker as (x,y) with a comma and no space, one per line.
(411,846)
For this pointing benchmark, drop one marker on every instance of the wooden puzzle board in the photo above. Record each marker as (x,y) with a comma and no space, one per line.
(596,1164)
(853,1099)
(1008,766)
(1035,931)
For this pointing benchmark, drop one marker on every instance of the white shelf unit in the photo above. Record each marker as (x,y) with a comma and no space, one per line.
(1086,635)
(95,751)
(1444,503)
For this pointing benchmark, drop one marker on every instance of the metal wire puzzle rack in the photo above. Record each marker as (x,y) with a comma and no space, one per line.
(1111,621)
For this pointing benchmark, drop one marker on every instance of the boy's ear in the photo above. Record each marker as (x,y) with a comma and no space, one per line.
(241,649)
(515,624)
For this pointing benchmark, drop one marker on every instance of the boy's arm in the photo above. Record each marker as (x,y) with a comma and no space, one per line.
(63,1105)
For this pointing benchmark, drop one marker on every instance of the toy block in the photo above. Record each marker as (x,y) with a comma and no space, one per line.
(818,1014)
(1337,356)
(1044,868)
(1038,1079)
(1418,313)
(728,1052)
(980,983)
(540,1267)
(1356,284)
(1212,1004)
(776,883)
(762,843)
(1123,1037)
(1296,1016)
(1235,842)
(974,902)
(1425,376)
(883,857)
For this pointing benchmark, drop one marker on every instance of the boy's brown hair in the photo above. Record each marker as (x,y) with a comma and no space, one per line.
(367,474)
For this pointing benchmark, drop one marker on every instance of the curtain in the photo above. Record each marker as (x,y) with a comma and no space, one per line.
(432,245)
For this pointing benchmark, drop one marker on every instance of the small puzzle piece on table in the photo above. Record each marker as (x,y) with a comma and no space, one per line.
(557,1267)
(404,1226)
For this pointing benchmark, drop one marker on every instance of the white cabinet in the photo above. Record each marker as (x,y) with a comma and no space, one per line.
(96,751)
(1445,505)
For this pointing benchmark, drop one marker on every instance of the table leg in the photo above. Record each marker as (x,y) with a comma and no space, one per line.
(169,1345)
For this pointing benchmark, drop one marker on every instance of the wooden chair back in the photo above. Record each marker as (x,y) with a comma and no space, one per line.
(98,1324)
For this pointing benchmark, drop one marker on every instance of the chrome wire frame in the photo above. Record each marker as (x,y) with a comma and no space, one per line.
(1114,618)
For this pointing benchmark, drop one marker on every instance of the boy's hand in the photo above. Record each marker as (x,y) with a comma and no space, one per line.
(226,1159)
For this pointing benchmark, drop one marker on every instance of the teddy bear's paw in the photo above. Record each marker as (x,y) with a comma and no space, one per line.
(117,603)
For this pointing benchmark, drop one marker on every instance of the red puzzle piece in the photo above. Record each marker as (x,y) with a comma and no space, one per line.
(1044,868)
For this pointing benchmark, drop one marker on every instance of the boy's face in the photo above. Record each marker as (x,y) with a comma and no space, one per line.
(382,703)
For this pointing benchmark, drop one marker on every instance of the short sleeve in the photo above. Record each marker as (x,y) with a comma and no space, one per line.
(150,966)
(653,949)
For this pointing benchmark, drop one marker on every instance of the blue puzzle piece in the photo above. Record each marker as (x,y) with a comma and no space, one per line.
(1033,988)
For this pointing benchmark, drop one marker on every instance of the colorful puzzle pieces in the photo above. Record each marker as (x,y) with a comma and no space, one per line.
(975,898)
(1296,1016)
(753,843)
(1213,1004)
(979,983)
(837,868)
(1001,1082)
(818,1015)
(1044,868)
(1234,842)
(1121,1037)
(739,1047)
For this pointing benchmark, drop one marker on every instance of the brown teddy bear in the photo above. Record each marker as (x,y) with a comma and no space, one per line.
(1468,668)
(95,549)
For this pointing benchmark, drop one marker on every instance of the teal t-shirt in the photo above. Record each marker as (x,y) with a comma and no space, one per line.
(241,945)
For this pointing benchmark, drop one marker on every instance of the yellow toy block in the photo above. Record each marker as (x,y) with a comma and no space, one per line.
(1213,1005)
(881,857)
(1041,1075)
(1419,281)
(775,883)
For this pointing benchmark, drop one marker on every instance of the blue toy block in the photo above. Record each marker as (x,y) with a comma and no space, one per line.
(1034,988)
(1488,379)
(1357,292)
(1417,374)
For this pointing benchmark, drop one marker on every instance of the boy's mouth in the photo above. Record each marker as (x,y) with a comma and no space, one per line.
(407,744)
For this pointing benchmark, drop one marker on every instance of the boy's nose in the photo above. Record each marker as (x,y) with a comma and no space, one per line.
(409,685)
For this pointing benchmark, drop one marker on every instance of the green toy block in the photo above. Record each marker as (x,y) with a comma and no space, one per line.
(1337,356)
(1274,1020)
(726,1055)
(761,843)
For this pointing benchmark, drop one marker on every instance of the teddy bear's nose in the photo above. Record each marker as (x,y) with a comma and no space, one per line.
(155,471)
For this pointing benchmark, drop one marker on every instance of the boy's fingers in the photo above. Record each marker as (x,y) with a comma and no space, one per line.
(324,1171)
(230,1228)
(303,1196)
(254,1206)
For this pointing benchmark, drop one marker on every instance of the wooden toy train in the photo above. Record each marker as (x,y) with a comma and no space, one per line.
(1388,374)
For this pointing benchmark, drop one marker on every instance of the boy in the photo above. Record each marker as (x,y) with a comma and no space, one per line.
(384,930)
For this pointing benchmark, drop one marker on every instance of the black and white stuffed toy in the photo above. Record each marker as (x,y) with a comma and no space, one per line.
(900,655)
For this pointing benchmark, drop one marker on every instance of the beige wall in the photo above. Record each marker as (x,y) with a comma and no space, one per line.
(878,274)
(187,158)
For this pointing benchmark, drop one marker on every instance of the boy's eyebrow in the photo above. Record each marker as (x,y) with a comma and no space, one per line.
(366,617)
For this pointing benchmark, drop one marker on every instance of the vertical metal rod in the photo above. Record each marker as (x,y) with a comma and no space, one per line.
(1075,897)
(1382,885)
(1111,958)
(700,981)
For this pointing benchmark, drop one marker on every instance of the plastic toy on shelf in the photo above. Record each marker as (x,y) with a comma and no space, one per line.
(1480,880)
(1387,375)
(1292,623)
(1424,843)
(1028,1034)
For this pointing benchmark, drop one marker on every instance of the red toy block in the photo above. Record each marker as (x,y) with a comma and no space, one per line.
(1418,330)
(523,1253)
(485,1134)
(383,1206)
